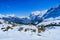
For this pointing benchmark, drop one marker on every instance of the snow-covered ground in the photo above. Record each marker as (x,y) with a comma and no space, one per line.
(49,34)
(52,33)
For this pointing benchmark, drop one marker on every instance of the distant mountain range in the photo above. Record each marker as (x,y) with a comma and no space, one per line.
(34,18)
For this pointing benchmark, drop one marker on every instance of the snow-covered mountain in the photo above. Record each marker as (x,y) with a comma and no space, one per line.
(52,12)
(18,28)
(36,16)
(33,18)
(15,19)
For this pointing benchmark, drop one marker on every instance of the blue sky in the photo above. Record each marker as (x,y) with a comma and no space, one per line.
(25,7)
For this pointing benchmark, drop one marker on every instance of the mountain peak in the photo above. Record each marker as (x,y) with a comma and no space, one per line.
(52,12)
(39,13)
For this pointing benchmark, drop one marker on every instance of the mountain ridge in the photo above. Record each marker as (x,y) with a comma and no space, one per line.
(35,18)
